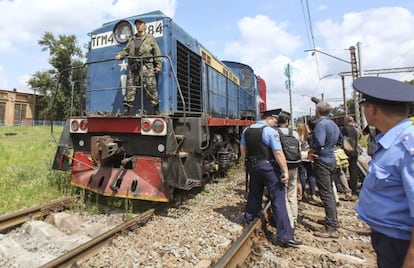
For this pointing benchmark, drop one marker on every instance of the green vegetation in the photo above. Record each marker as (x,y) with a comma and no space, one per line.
(26,178)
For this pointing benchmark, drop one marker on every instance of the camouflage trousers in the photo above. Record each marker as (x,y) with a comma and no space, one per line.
(148,82)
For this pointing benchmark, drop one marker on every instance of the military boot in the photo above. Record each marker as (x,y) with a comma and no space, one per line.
(127,108)
(156,109)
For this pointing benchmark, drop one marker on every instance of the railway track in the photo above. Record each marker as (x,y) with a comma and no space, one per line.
(249,242)
(12,220)
(76,256)
(63,239)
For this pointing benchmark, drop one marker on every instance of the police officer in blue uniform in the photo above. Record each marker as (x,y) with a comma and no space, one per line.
(386,200)
(266,164)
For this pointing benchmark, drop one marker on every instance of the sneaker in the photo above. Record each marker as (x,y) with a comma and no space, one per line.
(326,233)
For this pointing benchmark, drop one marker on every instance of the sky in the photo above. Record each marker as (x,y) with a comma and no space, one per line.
(265,34)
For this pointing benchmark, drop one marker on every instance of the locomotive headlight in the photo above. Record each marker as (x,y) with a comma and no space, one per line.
(158,126)
(81,143)
(74,125)
(122,31)
(78,125)
(153,127)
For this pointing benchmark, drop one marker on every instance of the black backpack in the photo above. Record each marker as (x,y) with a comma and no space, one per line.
(291,148)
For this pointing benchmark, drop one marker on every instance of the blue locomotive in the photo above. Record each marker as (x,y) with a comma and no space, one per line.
(204,103)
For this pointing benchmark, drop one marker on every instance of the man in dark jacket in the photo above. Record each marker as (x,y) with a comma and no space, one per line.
(351,133)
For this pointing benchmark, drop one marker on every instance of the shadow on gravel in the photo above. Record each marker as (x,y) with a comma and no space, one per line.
(233,213)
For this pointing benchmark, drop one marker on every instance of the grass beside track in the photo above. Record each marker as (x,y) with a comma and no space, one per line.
(26,178)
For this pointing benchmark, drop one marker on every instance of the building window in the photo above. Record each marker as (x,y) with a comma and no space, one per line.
(19,113)
(2,113)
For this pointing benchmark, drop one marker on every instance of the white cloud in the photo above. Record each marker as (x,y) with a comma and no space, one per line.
(264,45)
(260,38)
(386,36)
(26,20)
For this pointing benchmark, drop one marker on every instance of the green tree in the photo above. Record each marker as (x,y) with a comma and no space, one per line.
(58,84)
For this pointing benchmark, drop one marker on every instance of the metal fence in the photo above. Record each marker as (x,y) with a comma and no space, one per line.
(33,123)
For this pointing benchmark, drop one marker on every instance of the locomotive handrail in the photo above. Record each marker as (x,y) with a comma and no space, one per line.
(141,59)
(178,87)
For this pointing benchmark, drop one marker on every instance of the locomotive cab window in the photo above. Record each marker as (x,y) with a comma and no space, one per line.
(246,79)
(122,31)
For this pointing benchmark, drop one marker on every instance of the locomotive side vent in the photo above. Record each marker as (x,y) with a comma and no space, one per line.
(189,77)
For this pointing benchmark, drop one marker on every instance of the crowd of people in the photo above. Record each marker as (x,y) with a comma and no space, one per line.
(288,182)
(328,157)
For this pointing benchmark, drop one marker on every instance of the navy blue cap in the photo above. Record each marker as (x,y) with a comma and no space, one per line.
(274,113)
(383,90)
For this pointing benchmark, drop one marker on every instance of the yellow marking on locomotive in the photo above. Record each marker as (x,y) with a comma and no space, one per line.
(218,66)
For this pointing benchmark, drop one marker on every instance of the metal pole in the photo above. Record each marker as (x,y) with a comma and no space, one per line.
(344,96)
(290,98)
(362,122)
(355,75)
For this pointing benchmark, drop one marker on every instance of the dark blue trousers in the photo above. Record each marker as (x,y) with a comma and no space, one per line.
(390,251)
(263,174)
(305,174)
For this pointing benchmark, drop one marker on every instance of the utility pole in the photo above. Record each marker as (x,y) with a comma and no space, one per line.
(289,86)
(344,96)
(355,75)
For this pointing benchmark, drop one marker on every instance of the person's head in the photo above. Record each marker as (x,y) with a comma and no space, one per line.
(323,109)
(384,101)
(271,120)
(140,25)
(349,120)
(283,119)
(311,123)
(303,131)
(271,117)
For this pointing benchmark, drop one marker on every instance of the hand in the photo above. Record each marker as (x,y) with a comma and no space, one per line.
(117,57)
(157,70)
(312,156)
(284,177)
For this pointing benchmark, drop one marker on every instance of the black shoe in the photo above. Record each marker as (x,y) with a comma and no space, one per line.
(289,243)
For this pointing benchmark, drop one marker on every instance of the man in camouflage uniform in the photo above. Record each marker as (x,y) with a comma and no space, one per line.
(142,45)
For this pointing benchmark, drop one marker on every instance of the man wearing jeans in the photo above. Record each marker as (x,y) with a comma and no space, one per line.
(326,135)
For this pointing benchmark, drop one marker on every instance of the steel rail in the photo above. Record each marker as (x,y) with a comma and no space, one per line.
(17,218)
(89,249)
(244,245)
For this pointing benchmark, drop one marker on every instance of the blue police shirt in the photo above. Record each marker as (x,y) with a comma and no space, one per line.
(270,137)
(386,201)
(326,135)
